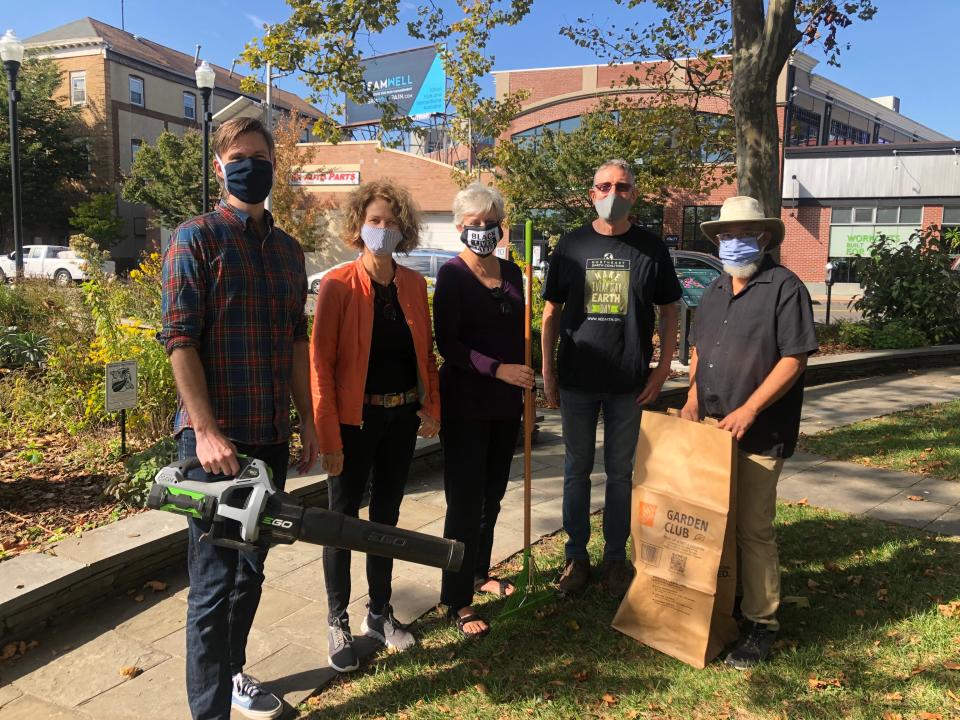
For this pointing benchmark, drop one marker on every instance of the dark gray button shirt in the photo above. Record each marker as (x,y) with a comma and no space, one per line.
(739,339)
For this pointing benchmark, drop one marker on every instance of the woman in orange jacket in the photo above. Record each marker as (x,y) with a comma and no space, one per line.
(375,388)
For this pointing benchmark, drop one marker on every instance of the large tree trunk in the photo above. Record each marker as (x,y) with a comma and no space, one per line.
(762,44)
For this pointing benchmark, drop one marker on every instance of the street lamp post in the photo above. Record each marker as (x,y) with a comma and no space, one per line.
(828,281)
(206,79)
(11,52)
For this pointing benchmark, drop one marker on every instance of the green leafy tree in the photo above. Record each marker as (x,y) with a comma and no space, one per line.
(166,176)
(97,218)
(547,179)
(53,153)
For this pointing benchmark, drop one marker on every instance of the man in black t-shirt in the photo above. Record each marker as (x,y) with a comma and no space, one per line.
(753,334)
(601,288)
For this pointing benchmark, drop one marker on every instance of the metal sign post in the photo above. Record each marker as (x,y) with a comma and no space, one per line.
(121,393)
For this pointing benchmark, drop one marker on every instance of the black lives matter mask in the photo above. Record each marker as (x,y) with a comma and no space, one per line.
(482,240)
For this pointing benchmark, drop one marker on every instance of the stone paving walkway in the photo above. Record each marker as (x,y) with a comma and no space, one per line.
(74,672)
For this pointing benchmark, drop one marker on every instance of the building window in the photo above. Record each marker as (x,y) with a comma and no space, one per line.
(692,238)
(135,145)
(190,106)
(853,230)
(78,88)
(557,126)
(843,134)
(136,91)
(804,127)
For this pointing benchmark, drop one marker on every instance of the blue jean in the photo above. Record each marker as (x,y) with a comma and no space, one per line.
(225,588)
(621,426)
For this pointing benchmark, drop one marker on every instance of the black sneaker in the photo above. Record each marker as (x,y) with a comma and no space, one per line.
(753,647)
(574,577)
(250,700)
(342,656)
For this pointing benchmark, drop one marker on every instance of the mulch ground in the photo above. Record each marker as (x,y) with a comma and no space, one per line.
(53,487)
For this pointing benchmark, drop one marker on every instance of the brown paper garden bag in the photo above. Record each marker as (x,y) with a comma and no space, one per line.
(684,539)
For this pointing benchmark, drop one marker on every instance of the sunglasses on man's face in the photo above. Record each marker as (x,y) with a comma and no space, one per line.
(620,187)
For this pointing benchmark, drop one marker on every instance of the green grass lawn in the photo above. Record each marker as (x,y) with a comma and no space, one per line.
(924,440)
(869,631)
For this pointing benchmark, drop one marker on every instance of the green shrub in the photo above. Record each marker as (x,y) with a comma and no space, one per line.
(855,334)
(899,334)
(134,487)
(912,282)
(22,349)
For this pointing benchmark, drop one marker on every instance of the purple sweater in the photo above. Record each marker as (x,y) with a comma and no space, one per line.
(474,336)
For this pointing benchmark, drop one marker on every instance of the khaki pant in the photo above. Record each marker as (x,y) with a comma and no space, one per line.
(759,567)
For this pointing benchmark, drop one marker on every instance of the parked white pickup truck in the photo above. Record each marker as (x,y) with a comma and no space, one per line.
(54,262)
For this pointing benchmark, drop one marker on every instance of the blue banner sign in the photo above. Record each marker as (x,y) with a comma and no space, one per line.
(414,80)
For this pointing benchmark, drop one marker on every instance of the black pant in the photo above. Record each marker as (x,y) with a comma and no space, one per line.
(476,464)
(384,443)
(225,588)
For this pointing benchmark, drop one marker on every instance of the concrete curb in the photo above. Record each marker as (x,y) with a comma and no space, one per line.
(36,588)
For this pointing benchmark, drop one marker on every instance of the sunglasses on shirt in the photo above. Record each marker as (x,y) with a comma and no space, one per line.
(500,296)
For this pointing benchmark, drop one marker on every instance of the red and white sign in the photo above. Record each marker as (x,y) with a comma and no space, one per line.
(326,177)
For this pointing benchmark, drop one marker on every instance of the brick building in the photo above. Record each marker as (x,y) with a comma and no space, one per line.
(825,123)
(130,90)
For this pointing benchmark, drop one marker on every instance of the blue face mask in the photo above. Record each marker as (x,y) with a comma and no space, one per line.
(249,180)
(740,251)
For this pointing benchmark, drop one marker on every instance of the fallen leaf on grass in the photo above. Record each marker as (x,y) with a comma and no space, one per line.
(443,708)
(581,676)
(482,689)
(924,715)
(951,609)
(892,716)
(859,612)
(893,697)
(573,625)
(916,498)
(803,501)
(951,665)
(953,696)
(812,584)
(130,671)
(155,585)
(138,597)
(821,683)
(610,699)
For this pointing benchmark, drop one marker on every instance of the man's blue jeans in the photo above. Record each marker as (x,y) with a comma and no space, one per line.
(225,588)
(621,426)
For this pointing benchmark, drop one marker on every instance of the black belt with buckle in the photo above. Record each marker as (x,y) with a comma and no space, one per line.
(391,400)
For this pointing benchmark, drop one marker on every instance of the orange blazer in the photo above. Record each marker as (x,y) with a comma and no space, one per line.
(340,347)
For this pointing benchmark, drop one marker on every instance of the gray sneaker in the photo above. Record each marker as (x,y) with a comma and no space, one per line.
(388,630)
(342,656)
(616,576)
(252,701)
(574,577)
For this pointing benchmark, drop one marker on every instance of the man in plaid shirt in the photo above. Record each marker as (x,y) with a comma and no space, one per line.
(234,289)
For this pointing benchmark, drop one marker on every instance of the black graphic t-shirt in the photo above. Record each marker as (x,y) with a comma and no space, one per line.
(608,286)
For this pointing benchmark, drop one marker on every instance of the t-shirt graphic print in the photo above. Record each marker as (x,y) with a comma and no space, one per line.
(606,290)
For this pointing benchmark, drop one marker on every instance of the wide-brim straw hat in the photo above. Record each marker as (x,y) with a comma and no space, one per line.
(742,210)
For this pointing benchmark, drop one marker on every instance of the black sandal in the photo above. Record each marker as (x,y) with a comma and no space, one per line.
(502,586)
(463,621)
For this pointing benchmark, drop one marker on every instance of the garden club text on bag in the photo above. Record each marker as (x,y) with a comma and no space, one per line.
(684,539)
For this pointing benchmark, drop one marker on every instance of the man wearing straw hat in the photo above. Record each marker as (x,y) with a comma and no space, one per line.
(753,333)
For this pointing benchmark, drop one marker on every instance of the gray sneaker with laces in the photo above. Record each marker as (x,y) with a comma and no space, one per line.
(252,701)
(388,630)
(342,657)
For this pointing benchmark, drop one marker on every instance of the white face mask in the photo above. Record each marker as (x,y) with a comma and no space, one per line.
(380,240)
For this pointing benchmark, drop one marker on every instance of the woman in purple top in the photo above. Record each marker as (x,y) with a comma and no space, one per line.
(478,325)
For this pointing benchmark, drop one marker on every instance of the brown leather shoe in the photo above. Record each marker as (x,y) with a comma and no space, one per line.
(574,577)
(616,576)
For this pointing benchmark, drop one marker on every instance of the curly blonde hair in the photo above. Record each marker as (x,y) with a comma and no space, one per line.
(353,212)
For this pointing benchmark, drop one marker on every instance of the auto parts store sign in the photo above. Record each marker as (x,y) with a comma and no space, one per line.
(325,177)
(851,240)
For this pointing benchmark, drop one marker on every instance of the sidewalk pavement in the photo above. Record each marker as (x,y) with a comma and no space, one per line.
(74,672)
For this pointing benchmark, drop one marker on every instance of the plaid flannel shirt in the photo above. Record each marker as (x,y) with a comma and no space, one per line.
(240,302)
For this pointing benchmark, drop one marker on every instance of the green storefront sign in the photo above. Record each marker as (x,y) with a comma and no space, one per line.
(850,240)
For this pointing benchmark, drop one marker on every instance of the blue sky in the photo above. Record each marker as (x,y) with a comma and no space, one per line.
(906,50)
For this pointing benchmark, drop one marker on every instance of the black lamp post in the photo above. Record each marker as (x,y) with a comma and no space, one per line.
(206,79)
(11,52)
(828,277)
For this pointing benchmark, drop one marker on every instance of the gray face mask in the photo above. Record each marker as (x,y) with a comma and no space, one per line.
(613,207)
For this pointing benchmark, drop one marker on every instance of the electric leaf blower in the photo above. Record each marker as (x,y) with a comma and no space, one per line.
(247,512)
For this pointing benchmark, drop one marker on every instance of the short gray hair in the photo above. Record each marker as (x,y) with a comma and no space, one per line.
(477,199)
(618,163)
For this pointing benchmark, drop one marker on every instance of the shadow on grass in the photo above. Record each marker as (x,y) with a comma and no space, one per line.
(872,625)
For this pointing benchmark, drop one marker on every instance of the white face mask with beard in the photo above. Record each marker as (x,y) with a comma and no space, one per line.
(742,272)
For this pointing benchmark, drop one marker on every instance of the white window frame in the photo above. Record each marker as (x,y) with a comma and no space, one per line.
(193,96)
(143,100)
(82,76)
